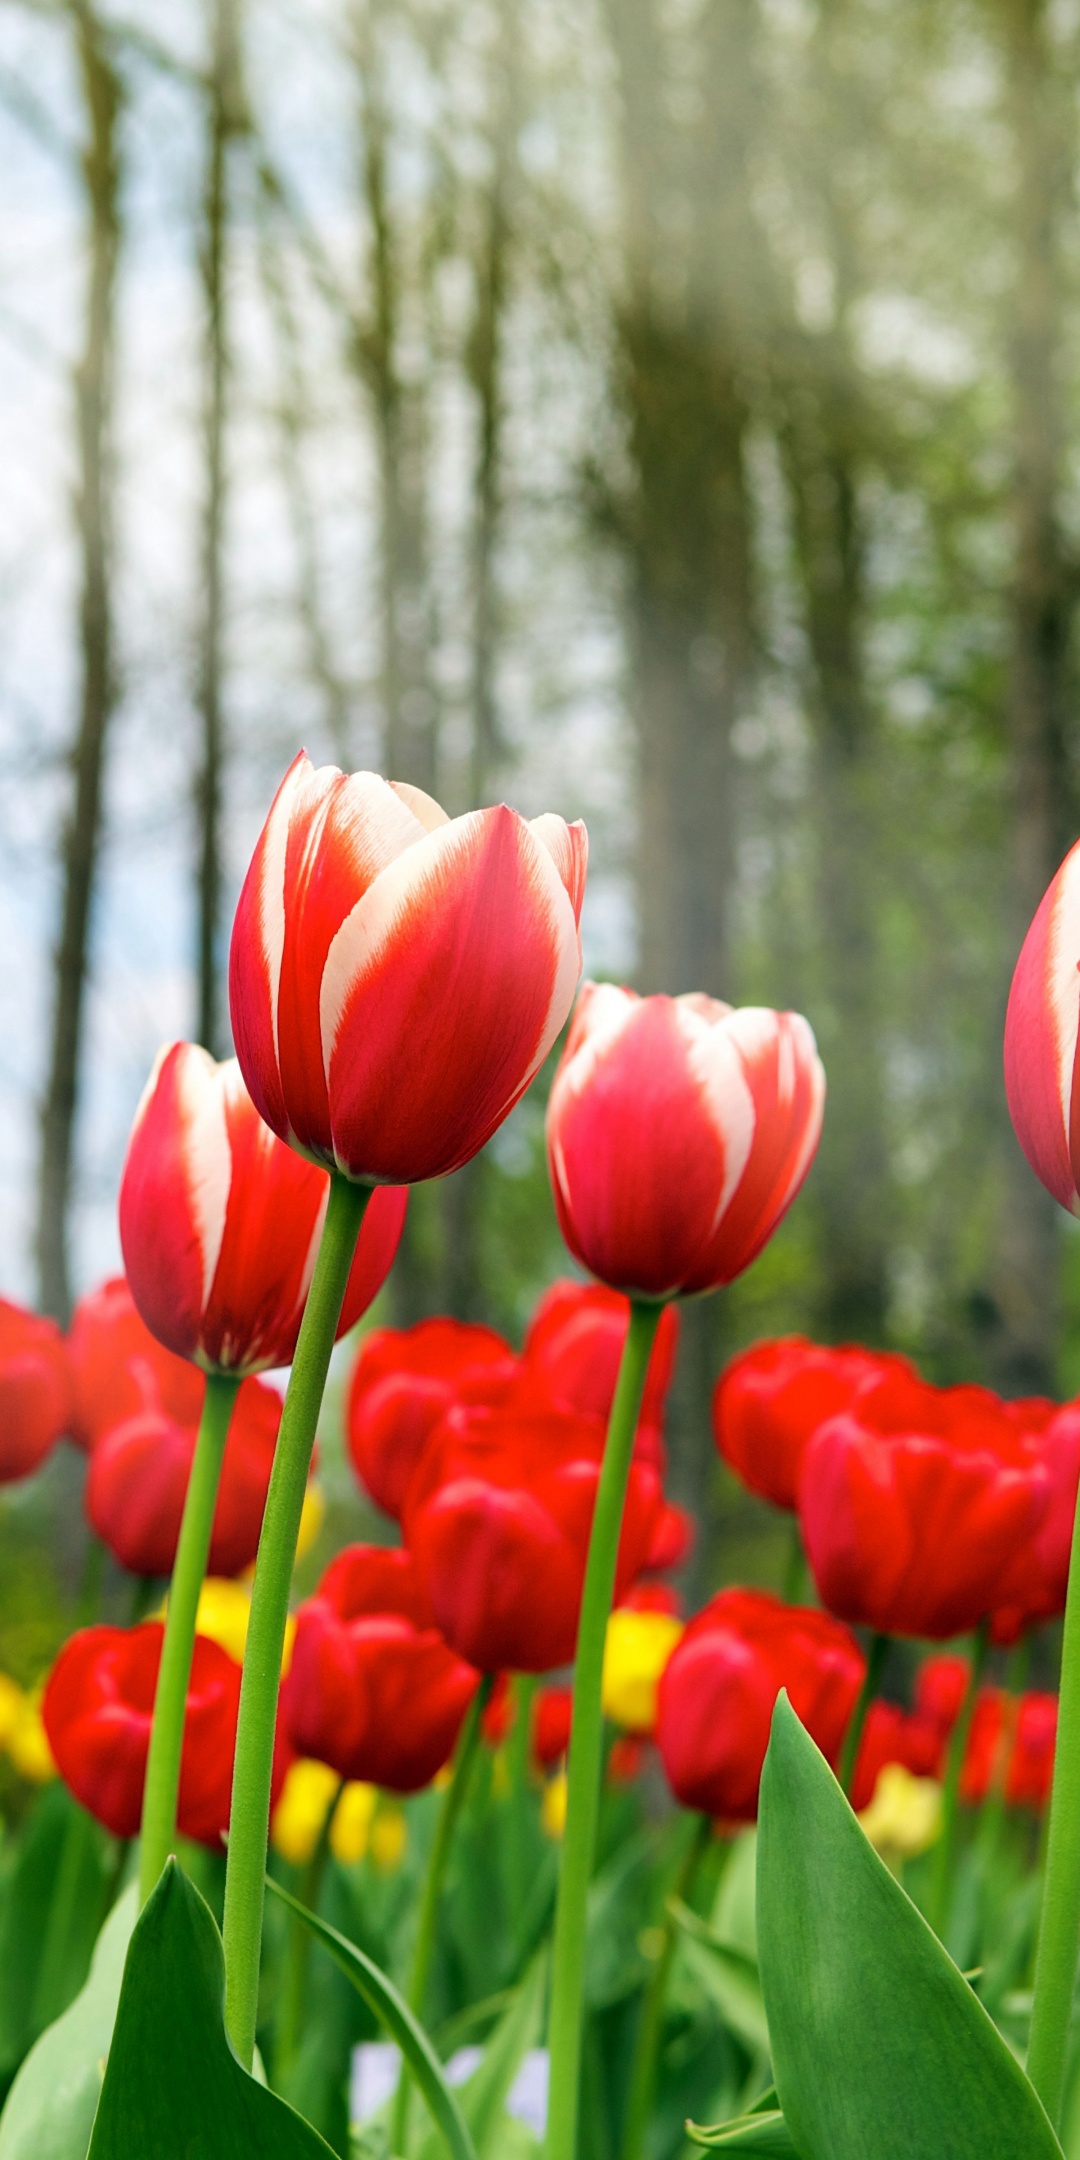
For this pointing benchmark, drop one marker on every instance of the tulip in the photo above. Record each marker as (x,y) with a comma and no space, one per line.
(919,1509)
(119,1369)
(552,1712)
(36,1404)
(97,1712)
(1010,1745)
(220,1222)
(497,1519)
(403,1382)
(373,1689)
(679,1132)
(397,977)
(905,1816)
(1041,1027)
(672,1541)
(636,1653)
(769,1402)
(893,1736)
(941,1686)
(138,1480)
(396,980)
(573,1350)
(1052,1437)
(299,1819)
(720,1686)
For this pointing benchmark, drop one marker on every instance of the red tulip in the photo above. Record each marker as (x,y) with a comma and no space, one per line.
(720,1685)
(893,1735)
(941,1686)
(36,1395)
(396,977)
(403,1382)
(672,1541)
(120,1370)
(574,1347)
(220,1222)
(498,1517)
(1014,1736)
(770,1401)
(138,1480)
(920,1509)
(1041,1027)
(372,1688)
(652,1597)
(679,1132)
(553,1710)
(1052,1437)
(97,1710)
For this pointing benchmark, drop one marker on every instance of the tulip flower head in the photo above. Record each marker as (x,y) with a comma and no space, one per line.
(573,1349)
(98,1707)
(404,1380)
(498,1517)
(138,1479)
(1041,1029)
(220,1222)
(904,1818)
(720,1687)
(771,1399)
(1010,1748)
(372,1688)
(892,1736)
(117,1367)
(679,1132)
(636,1651)
(397,977)
(36,1394)
(920,1509)
(553,1710)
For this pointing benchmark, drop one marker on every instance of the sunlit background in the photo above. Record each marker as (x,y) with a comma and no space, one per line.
(662,411)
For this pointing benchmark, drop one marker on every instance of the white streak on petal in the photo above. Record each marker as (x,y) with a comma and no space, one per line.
(430,813)
(568,846)
(713,1059)
(201,1087)
(272,896)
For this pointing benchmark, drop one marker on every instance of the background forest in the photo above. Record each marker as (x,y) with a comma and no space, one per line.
(665,411)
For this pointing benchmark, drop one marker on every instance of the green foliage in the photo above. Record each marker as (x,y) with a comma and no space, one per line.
(52,1896)
(396,2017)
(173,2085)
(878,2043)
(49,2112)
(764,2133)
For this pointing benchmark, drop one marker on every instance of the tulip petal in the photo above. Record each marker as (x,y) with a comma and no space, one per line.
(1041,1027)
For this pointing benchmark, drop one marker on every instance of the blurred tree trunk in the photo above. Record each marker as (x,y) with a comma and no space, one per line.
(463,1194)
(224,120)
(1040,97)
(687,530)
(102,99)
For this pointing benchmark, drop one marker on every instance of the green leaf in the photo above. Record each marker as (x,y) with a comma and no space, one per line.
(50,2109)
(394,2014)
(765,2134)
(53,1895)
(173,2086)
(878,2043)
(728,1977)
(483,2096)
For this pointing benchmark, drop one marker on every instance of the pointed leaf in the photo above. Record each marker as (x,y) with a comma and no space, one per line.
(394,2014)
(173,2085)
(878,2044)
(49,2112)
(729,1978)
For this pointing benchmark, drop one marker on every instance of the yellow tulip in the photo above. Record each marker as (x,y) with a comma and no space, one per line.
(389,1837)
(636,1650)
(27,1745)
(311,1519)
(553,1805)
(11,1707)
(351,1826)
(904,1816)
(305,1801)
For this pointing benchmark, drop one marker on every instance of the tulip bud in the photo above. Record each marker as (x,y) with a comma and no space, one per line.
(679,1132)
(220,1222)
(397,977)
(1041,1028)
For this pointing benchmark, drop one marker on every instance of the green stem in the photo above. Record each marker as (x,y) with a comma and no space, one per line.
(1059,1926)
(249,1822)
(170,1701)
(650,2023)
(296,1956)
(937,1911)
(427,1925)
(879,1647)
(586,1739)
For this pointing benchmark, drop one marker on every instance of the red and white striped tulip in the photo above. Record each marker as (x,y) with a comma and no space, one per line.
(679,1131)
(1042,1069)
(220,1222)
(397,977)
